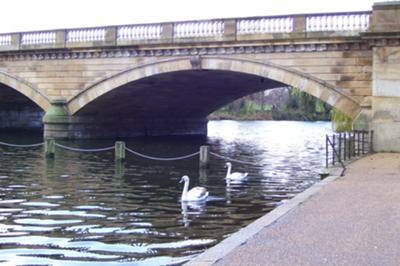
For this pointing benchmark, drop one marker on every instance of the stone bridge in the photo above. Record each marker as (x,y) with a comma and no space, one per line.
(164,79)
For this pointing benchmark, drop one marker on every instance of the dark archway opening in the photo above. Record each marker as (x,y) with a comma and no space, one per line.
(175,103)
(18,112)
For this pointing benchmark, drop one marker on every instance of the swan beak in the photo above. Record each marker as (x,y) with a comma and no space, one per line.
(181,181)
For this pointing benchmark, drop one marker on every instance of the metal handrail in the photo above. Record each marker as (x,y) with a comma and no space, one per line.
(346,145)
(328,141)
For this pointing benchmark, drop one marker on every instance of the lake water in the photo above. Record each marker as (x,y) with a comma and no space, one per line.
(83,208)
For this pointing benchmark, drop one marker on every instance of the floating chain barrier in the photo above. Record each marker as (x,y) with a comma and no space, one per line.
(22,146)
(231,159)
(84,150)
(161,158)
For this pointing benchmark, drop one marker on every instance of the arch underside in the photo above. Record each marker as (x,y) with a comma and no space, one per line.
(175,103)
(18,111)
(175,97)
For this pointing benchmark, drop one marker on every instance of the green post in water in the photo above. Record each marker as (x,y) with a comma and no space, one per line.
(120,151)
(50,148)
(204,156)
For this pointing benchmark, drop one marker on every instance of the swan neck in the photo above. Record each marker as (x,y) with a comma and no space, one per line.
(228,172)
(185,190)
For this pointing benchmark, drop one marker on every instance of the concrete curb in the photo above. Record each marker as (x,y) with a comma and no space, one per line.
(239,238)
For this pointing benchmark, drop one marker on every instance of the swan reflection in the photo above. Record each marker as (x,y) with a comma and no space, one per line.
(190,210)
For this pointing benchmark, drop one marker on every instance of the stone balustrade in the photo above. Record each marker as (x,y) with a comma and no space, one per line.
(265,25)
(190,31)
(198,29)
(355,21)
(139,32)
(85,35)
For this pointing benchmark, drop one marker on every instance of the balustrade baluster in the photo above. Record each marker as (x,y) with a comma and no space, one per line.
(268,25)
(186,31)
(160,31)
(192,29)
(273,24)
(329,23)
(99,35)
(256,26)
(366,21)
(245,26)
(287,25)
(130,33)
(207,29)
(143,33)
(220,27)
(133,33)
(242,26)
(335,22)
(197,29)
(356,22)
(346,23)
(121,33)
(217,29)
(278,25)
(149,32)
(353,22)
(204,28)
(264,26)
(310,23)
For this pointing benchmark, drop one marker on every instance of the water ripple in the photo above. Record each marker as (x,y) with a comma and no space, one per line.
(83,209)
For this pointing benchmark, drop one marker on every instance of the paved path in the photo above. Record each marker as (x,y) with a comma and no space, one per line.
(350,220)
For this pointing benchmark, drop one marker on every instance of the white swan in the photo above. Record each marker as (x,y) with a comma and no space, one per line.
(234,176)
(195,194)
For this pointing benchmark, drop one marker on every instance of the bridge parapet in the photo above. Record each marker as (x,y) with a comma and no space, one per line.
(231,29)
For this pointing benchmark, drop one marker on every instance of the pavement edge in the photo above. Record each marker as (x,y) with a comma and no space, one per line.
(239,238)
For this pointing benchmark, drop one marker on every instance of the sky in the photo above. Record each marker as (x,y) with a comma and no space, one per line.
(30,15)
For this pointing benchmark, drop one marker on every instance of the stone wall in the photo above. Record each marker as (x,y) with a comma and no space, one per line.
(112,127)
(386,99)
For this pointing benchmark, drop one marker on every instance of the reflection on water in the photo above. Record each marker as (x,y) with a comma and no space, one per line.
(83,208)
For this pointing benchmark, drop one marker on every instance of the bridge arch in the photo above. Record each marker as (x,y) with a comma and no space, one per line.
(25,89)
(316,87)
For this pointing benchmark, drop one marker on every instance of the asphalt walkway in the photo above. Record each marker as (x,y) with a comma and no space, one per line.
(350,220)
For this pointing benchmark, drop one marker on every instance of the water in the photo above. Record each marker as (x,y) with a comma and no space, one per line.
(82,208)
